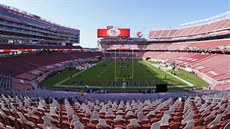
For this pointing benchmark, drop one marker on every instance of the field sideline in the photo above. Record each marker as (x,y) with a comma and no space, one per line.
(102,76)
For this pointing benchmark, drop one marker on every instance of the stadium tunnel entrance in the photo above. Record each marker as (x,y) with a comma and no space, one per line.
(147,58)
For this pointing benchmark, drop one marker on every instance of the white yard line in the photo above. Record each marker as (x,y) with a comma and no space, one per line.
(59,83)
(188,83)
(127,87)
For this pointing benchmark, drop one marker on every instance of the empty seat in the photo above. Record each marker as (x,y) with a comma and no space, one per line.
(134,124)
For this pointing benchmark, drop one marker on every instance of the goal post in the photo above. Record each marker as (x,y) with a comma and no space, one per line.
(132,64)
(131,58)
(115,63)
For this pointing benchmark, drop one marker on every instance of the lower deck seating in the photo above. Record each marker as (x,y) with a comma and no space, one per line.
(16,65)
(210,45)
(37,109)
(5,82)
(24,68)
(213,65)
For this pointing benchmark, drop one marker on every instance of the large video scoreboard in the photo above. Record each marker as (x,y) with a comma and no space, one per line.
(113,32)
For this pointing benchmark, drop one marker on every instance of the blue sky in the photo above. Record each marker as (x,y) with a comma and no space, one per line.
(139,15)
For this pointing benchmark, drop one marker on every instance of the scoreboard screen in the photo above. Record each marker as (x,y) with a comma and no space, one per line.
(113,32)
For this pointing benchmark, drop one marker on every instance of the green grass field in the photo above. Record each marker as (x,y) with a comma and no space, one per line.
(109,74)
(58,77)
(192,78)
(105,72)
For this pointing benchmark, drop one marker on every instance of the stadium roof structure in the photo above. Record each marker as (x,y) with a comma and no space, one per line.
(212,27)
(216,18)
(219,17)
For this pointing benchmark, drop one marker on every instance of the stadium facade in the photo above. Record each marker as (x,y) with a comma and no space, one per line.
(20,27)
(191,35)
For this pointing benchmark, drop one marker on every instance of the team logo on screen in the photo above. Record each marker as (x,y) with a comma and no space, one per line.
(113,32)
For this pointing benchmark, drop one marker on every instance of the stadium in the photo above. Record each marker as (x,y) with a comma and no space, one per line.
(173,78)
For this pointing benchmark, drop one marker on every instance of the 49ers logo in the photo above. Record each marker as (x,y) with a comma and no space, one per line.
(113,32)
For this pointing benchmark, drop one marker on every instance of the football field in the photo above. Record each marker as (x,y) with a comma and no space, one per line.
(115,74)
